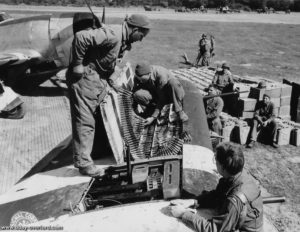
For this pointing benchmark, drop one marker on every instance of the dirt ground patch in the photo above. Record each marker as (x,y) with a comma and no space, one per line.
(278,170)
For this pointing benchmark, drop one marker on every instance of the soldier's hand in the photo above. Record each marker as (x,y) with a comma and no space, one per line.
(149,121)
(177,211)
(185,203)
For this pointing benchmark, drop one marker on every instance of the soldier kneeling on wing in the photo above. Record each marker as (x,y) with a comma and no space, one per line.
(155,87)
(11,106)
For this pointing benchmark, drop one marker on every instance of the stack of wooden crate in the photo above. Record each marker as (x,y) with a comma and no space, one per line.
(288,132)
(280,95)
(298,110)
(285,102)
(234,129)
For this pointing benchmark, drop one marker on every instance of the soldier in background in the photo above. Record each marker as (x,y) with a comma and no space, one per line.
(214,107)
(155,85)
(206,48)
(264,118)
(223,81)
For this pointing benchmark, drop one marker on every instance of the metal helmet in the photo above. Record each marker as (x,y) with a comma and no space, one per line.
(139,20)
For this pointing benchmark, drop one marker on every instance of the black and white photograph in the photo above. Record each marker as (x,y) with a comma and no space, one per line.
(150,115)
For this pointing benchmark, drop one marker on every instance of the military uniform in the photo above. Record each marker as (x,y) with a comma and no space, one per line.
(263,113)
(223,81)
(238,202)
(162,88)
(94,54)
(205,48)
(214,107)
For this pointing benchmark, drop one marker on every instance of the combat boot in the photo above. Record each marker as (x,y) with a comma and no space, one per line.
(92,171)
(251,144)
(275,145)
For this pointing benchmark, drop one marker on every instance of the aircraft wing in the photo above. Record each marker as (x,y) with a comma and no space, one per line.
(15,57)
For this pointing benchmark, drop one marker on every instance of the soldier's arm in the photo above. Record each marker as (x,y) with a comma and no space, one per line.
(161,81)
(257,112)
(217,109)
(271,112)
(226,221)
(83,40)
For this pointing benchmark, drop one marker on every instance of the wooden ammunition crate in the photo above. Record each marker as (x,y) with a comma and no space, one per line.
(285,101)
(242,87)
(247,114)
(247,104)
(276,111)
(258,93)
(286,117)
(295,137)
(284,110)
(298,116)
(276,102)
(227,133)
(240,134)
(283,136)
(286,90)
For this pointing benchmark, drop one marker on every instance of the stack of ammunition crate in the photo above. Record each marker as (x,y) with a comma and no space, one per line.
(283,133)
(288,132)
(285,102)
(246,105)
(298,111)
(234,129)
(280,95)
(272,89)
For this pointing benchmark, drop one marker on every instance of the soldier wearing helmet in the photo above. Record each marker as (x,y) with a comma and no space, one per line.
(206,47)
(95,51)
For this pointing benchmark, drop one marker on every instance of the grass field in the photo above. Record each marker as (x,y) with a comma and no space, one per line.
(251,49)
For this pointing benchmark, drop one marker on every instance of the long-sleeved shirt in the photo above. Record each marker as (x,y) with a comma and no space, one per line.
(101,46)
(160,78)
(222,79)
(263,110)
(214,107)
(98,46)
(229,206)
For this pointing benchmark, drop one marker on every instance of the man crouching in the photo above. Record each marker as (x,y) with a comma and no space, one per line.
(237,197)
(156,86)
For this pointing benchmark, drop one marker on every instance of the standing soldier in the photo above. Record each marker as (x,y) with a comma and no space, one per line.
(158,86)
(206,48)
(95,50)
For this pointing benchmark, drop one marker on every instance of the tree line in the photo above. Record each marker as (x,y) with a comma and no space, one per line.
(293,5)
